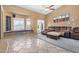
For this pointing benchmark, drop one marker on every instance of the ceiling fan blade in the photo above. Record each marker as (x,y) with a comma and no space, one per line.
(51,6)
(52,9)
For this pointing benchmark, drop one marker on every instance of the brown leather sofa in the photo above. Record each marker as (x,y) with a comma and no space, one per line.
(75,33)
(57,29)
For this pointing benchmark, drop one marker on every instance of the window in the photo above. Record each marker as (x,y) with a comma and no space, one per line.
(18,24)
(28,24)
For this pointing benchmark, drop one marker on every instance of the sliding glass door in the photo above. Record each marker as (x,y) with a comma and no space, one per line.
(18,24)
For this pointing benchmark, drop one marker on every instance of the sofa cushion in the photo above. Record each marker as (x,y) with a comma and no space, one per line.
(76,30)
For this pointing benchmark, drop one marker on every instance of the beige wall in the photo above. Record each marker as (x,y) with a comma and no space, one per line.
(2,17)
(21,12)
(74,15)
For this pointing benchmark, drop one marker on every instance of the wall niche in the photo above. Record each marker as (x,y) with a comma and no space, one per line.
(62,17)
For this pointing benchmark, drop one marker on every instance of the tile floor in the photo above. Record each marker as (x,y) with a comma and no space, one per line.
(22,42)
(65,43)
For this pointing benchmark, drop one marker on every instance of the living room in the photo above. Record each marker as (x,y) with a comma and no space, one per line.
(55,23)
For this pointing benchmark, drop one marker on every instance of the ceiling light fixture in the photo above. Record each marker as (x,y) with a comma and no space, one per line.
(46,10)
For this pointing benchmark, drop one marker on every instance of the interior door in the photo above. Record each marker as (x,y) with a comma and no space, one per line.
(8,23)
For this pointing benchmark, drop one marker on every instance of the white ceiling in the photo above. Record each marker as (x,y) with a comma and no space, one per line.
(39,8)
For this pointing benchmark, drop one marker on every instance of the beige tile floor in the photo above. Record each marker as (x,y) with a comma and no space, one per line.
(22,42)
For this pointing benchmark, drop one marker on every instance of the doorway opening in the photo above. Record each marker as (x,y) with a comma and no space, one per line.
(40,26)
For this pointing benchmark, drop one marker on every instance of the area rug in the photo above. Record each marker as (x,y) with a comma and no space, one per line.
(65,43)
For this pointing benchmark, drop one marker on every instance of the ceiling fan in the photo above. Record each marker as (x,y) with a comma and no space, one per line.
(50,7)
